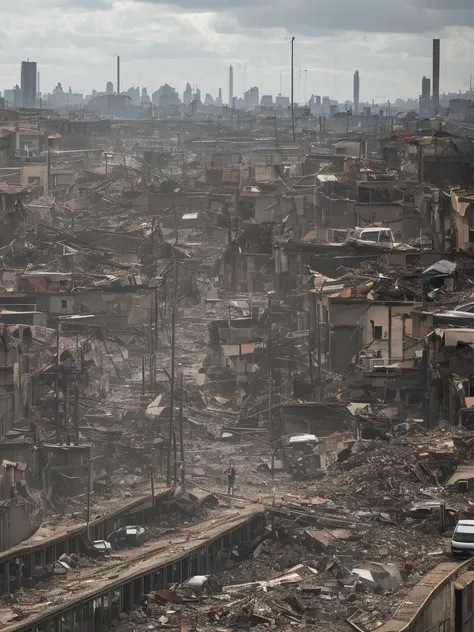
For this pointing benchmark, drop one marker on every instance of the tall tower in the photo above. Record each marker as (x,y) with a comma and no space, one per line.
(436,64)
(425,97)
(231,87)
(356,92)
(426,87)
(118,74)
(28,84)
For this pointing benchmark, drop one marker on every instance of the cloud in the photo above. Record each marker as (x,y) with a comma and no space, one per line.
(77,5)
(76,41)
(310,16)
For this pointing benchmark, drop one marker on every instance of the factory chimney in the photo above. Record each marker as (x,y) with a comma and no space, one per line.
(436,64)
(118,74)
(231,87)
(356,92)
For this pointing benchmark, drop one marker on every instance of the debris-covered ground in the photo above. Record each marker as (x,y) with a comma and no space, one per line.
(189,322)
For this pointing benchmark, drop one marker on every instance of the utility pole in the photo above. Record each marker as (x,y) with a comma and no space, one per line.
(310,354)
(177,152)
(318,346)
(173,358)
(152,482)
(76,413)
(56,386)
(175,223)
(89,492)
(49,171)
(152,243)
(270,360)
(156,334)
(229,228)
(175,459)
(150,346)
(181,435)
(270,389)
(292,89)
(390,334)
(66,406)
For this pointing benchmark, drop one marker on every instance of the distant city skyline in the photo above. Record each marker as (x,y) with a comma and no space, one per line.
(166,96)
(252,99)
(29,73)
(76,41)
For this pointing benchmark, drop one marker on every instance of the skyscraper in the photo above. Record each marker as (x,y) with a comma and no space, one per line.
(251,98)
(426,87)
(13,97)
(425,97)
(28,84)
(356,92)
(145,100)
(109,88)
(165,96)
(231,87)
(188,95)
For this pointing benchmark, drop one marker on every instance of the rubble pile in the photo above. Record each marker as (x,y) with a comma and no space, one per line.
(304,583)
(377,474)
(225,321)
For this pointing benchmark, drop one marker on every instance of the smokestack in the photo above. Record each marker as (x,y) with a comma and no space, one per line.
(436,64)
(356,92)
(231,87)
(118,74)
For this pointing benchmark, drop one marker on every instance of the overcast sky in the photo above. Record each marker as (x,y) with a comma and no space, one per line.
(76,41)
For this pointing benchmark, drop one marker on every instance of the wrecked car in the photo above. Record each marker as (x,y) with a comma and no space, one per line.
(130,535)
(431,509)
(298,454)
(103,546)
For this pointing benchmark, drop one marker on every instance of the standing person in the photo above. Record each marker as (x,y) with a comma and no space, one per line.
(231,474)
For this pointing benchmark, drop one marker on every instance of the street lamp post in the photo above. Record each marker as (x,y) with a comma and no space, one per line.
(292,89)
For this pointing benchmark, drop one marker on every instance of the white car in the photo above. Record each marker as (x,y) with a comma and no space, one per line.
(462,541)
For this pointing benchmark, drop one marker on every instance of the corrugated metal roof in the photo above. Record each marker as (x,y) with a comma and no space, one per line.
(13,189)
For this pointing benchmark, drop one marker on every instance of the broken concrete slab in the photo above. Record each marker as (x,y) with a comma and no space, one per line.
(379,576)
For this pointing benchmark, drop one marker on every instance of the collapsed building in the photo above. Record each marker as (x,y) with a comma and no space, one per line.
(178,305)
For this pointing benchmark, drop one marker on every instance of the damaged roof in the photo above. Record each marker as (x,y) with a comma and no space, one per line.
(451,337)
(13,189)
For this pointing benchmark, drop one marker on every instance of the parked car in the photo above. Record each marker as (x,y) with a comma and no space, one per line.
(462,542)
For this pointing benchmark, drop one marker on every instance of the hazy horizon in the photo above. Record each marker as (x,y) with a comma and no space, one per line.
(75,42)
